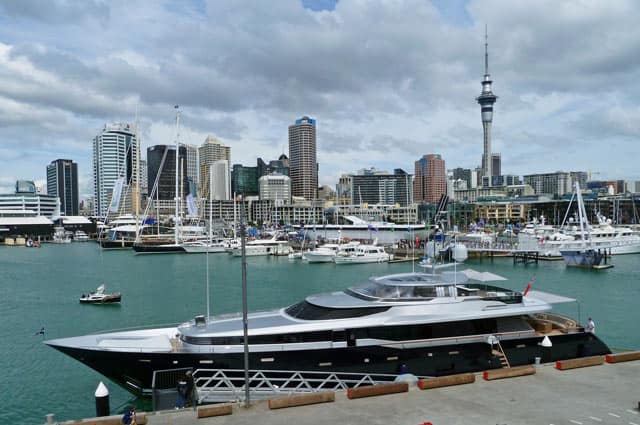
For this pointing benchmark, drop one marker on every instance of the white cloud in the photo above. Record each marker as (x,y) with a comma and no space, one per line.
(388,81)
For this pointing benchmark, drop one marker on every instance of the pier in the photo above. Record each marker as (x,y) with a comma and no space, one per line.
(603,393)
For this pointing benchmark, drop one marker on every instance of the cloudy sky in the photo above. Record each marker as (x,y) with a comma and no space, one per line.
(388,81)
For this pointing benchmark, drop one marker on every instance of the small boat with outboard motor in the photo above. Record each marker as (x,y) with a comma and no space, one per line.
(100,297)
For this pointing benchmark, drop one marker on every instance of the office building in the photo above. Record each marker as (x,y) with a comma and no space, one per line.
(210,151)
(244,180)
(115,150)
(556,184)
(381,188)
(275,187)
(430,178)
(192,166)
(161,172)
(303,166)
(219,181)
(62,181)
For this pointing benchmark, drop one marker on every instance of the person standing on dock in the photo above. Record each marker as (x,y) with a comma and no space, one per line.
(591,326)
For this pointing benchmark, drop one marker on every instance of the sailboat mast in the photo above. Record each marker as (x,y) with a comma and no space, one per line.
(175,218)
(136,192)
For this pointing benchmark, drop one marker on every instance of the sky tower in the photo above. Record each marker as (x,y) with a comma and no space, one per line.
(486,101)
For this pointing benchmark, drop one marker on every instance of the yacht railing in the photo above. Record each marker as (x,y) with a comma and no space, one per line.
(217,385)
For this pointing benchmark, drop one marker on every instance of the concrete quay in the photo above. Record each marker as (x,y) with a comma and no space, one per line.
(604,394)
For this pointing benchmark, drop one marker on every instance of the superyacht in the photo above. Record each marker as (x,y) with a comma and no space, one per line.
(432,324)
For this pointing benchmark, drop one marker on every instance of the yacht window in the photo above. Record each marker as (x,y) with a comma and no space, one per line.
(306,311)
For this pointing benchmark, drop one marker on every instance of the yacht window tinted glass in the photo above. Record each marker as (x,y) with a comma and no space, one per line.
(306,311)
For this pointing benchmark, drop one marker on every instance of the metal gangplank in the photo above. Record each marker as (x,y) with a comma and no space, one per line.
(220,385)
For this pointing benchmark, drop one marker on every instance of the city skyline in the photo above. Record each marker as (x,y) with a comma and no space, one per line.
(388,82)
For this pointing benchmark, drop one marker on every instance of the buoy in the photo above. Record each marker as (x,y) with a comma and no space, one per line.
(102,400)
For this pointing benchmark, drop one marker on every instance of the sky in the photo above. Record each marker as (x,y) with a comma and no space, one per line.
(387,80)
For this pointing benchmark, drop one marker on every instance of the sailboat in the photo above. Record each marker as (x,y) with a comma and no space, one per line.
(585,255)
(176,246)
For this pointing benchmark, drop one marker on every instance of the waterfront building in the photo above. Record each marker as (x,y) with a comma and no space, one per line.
(275,187)
(430,178)
(486,101)
(115,150)
(372,186)
(26,198)
(62,181)
(555,184)
(220,180)
(303,166)
(161,166)
(210,151)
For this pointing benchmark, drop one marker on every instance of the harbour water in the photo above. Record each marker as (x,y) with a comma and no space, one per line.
(41,287)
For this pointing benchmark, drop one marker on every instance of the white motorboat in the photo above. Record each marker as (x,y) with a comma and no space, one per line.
(256,247)
(80,236)
(327,252)
(363,254)
(216,246)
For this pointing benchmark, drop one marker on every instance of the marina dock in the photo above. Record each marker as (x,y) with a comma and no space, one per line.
(605,394)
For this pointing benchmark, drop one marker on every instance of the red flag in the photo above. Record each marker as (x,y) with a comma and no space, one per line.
(526,291)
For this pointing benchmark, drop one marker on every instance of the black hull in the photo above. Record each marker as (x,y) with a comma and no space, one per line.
(158,249)
(116,244)
(134,370)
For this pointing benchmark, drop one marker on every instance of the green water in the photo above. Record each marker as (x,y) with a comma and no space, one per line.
(40,287)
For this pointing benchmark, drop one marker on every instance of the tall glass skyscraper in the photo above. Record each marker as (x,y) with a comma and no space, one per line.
(62,181)
(303,165)
(166,189)
(114,156)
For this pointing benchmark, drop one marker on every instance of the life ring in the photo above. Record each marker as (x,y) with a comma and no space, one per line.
(29,243)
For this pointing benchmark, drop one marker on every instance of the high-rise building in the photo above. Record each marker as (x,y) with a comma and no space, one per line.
(381,188)
(220,180)
(62,181)
(486,101)
(161,166)
(496,164)
(192,165)
(244,180)
(210,151)
(144,178)
(303,166)
(114,155)
(430,178)
(275,187)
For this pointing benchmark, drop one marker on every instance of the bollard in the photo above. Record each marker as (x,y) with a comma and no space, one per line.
(102,400)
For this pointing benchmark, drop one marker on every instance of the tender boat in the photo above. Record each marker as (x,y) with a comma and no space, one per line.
(80,236)
(431,324)
(99,297)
